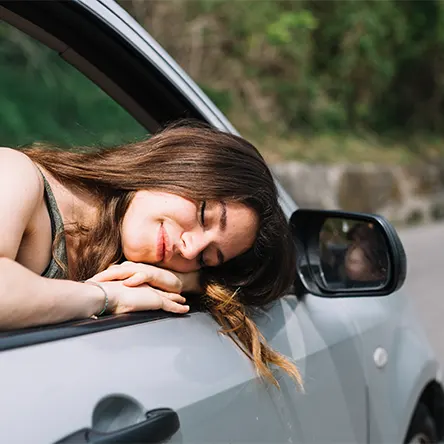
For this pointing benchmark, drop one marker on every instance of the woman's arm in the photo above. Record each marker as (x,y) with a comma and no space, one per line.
(27,299)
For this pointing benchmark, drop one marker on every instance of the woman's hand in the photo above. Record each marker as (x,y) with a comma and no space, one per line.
(133,274)
(135,286)
(124,299)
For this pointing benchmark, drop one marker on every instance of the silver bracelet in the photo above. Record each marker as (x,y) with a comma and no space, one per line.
(105,305)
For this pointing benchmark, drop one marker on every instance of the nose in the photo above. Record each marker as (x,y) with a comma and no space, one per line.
(192,244)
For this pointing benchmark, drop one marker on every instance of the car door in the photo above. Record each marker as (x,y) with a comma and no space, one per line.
(106,374)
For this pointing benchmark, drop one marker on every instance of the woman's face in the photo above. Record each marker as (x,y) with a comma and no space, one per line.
(357,266)
(182,235)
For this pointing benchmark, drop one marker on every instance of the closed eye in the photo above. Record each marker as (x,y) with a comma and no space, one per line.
(222,224)
(202,212)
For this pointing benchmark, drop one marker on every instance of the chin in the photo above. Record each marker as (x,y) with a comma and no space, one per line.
(135,256)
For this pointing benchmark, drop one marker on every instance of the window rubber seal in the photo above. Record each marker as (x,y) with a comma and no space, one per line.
(18,338)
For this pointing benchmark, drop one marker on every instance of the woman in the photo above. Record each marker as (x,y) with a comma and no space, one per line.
(191,209)
(366,258)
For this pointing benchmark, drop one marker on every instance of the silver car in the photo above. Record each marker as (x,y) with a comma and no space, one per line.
(369,374)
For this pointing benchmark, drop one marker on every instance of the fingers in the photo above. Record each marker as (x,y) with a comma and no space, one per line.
(136,279)
(157,299)
(144,297)
(174,303)
(174,297)
(113,273)
(156,277)
(135,274)
(171,302)
(174,307)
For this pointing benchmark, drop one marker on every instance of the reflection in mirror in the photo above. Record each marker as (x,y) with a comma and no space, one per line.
(353,255)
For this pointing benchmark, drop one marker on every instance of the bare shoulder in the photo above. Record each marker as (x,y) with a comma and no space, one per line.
(18,172)
(14,156)
(21,193)
(21,184)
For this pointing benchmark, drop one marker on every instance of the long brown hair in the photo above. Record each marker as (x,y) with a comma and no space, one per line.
(198,162)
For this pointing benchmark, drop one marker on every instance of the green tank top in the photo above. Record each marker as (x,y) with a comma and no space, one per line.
(53,270)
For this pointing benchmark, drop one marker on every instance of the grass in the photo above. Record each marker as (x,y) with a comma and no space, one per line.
(348,148)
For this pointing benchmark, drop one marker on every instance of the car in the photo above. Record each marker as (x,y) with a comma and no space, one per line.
(369,373)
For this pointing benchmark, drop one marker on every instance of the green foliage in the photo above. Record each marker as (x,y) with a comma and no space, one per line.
(222,97)
(284,30)
(340,65)
(306,67)
(45,99)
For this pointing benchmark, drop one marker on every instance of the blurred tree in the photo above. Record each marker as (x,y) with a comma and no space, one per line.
(311,65)
(43,98)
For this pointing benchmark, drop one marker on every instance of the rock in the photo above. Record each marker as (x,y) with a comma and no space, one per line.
(368,189)
(411,194)
(311,186)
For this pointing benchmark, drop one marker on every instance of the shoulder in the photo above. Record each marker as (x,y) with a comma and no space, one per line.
(21,194)
(15,163)
(19,175)
(13,155)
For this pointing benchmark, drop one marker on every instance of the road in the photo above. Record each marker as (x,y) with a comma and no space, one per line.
(425,279)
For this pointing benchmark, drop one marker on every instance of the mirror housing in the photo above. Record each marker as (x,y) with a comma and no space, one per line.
(314,230)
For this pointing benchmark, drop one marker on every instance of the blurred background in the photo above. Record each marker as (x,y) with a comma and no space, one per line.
(345,99)
(315,80)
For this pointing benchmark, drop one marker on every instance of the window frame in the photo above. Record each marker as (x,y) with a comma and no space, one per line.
(25,337)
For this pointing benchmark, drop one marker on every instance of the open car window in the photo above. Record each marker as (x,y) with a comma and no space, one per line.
(128,77)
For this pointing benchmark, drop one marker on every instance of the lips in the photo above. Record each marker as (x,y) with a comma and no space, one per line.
(161,247)
(164,251)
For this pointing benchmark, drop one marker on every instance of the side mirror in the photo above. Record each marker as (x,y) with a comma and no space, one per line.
(347,254)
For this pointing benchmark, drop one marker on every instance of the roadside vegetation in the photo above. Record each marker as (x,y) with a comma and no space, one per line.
(315,80)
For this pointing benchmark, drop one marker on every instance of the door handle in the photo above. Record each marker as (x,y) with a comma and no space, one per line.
(159,425)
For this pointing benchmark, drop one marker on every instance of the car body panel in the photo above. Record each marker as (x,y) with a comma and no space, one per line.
(159,364)
(184,364)
(394,388)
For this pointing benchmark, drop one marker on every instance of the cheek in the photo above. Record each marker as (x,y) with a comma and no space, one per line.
(132,246)
(137,243)
(356,265)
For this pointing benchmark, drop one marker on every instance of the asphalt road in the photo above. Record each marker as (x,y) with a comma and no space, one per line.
(425,279)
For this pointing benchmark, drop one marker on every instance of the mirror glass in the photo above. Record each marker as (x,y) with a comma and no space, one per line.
(353,254)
